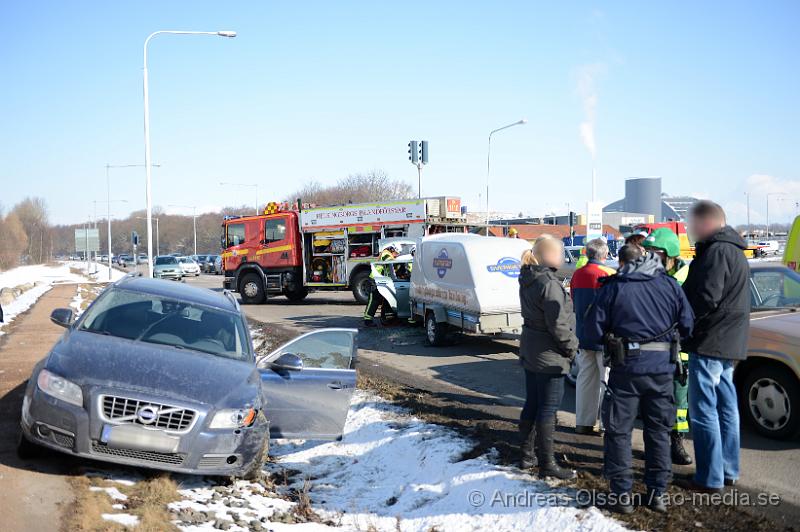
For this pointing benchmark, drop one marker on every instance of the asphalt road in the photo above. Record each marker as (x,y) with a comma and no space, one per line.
(486,373)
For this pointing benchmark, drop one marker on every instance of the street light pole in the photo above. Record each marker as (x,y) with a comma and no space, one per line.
(194,220)
(254,185)
(768,195)
(489,160)
(747,194)
(148,186)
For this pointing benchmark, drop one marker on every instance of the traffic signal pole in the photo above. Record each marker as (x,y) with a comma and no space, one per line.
(418,155)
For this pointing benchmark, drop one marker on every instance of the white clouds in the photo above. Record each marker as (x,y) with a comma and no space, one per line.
(784,195)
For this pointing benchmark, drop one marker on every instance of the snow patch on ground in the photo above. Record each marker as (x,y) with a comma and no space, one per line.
(391,471)
(122,519)
(112,492)
(46,276)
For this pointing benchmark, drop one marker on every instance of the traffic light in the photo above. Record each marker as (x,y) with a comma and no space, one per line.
(135,238)
(413,152)
(573,218)
(424,152)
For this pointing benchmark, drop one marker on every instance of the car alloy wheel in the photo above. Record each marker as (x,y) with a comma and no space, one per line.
(769,403)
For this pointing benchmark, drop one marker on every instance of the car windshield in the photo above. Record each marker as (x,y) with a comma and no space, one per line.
(774,288)
(165,260)
(158,320)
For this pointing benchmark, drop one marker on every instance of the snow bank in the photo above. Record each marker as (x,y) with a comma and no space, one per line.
(43,277)
(393,472)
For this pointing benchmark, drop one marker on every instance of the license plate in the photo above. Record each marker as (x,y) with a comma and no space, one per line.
(139,438)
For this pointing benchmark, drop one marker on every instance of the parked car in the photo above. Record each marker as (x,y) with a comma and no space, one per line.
(141,258)
(164,376)
(123,260)
(167,267)
(768,382)
(189,266)
(208,265)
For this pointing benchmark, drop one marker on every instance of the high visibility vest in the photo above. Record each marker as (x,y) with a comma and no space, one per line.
(379,268)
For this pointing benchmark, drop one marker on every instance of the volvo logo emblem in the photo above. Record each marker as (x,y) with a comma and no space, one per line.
(147,415)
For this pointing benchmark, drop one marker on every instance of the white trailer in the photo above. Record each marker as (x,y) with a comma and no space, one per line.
(467,282)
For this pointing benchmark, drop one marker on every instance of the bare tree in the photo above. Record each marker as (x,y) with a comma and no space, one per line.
(13,241)
(375,185)
(32,213)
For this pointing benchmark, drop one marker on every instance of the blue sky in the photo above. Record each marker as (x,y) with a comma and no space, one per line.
(703,95)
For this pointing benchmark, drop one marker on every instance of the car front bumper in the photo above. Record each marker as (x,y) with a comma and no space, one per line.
(168,275)
(70,429)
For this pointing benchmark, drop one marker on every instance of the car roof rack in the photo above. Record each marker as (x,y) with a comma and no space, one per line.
(231,298)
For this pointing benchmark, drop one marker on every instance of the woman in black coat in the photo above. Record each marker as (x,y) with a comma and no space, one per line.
(546,348)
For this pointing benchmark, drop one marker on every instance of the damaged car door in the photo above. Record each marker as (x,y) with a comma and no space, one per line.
(308,383)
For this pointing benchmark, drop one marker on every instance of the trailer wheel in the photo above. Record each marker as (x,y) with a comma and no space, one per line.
(251,289)
(436,332)
(362,286)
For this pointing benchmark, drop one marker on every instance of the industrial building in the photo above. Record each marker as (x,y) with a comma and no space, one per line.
(644,198)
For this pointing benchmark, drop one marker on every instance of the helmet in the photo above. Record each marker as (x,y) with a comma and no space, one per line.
(394,248)
(512,232)
(664,239)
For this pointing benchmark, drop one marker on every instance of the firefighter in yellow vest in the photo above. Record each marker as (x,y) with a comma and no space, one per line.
(388,253)
(666,245)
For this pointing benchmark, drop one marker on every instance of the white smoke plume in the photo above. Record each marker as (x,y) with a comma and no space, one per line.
(587,90)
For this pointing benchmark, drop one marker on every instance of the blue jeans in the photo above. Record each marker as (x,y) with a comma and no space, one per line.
(714,415)
(543,395)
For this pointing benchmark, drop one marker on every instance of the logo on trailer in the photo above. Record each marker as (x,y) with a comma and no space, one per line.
(508,266)
(442,262)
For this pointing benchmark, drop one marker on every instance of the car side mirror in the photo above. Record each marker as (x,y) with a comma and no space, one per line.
(287,362)
(61,317)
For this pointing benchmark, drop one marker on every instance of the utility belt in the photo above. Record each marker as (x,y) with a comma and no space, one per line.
(617,348)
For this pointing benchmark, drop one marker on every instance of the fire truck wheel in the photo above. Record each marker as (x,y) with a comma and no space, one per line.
(362,286)
(251,289)
(296,295)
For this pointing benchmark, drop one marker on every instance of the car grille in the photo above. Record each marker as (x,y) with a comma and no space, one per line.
(134,454)
(125,410)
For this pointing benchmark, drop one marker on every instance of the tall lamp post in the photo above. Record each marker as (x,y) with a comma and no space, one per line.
(768,195)
(194,220)
(254,185)
(489,160)
(149,192)
(747,194)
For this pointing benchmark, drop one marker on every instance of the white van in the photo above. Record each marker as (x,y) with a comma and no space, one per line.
(769,247)
(467,282)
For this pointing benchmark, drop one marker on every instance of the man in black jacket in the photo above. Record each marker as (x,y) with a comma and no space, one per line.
(717,287)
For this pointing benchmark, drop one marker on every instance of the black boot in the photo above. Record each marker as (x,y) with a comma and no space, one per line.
(527,435)
(544,452)
(679,454)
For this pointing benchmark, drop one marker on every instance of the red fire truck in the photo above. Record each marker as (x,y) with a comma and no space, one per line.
(289,250)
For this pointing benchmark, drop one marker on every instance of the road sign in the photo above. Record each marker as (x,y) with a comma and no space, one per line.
(87,239)
(594,220)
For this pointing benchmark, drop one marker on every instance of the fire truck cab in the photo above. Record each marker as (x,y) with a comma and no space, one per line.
(290,250)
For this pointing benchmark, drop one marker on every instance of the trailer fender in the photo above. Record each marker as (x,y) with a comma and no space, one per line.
(439,312)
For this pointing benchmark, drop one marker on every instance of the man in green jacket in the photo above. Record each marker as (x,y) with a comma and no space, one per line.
(664,243)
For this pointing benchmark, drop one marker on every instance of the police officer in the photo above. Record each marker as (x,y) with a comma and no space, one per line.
(664,243)
(390,252)
(639,315)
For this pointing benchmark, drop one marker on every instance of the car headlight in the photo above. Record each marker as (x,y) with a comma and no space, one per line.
(233,418)
(60,388)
